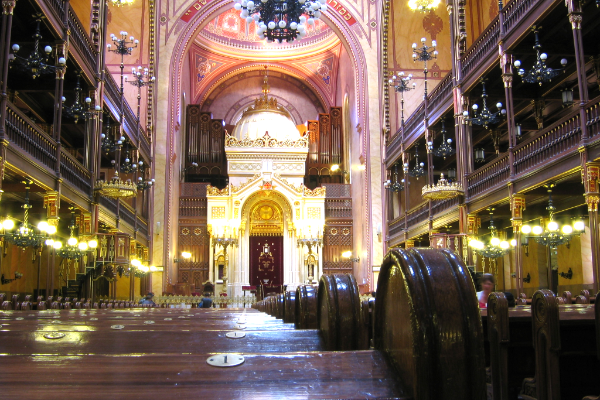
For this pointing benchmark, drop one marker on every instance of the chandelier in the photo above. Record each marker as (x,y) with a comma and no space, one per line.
(74,249)
(401,84)
(418,170)
(279,20)
(540,73)
(128,166)
(116,188)
(443,189)
(496,247)
(423,5)
(77,111)
(120,3)
(304,232)
(25,235)
(395,186)
(107,142)
(36,63)
(445,149)
(485,117)
(553,235)
(424,53)
(143,183)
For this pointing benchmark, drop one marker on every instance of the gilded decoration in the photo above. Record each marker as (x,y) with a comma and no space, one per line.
(215,191)
(218,212)
(236,189)
(301,189)
(266,219)
(276,201)
(266,261)
(313,212)
(265,142)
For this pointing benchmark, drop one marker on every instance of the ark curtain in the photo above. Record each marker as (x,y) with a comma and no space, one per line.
(267,265)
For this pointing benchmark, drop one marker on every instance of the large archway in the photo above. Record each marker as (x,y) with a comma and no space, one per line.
(166,149)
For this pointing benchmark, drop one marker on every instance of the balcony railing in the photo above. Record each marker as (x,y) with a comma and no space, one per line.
(338,208)
(109,204)
(57,7)
(489,176)
(396,226)
(592,112)
(515,10)
(440,206)
(75,173)
(127,214)
(81,40)
(418,214)
(414,121)
(440,93)
(192,207)
(112,90)
(560,137)
(25,134)
(142,226)
(192,189)
(483,48)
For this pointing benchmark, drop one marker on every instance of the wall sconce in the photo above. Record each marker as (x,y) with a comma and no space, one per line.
(348,255)
(186,255)
(378,231)
(527,279)
(518,131)
(567,97)
(567,275)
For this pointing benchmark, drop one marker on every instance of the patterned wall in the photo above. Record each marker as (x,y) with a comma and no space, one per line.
(194,238)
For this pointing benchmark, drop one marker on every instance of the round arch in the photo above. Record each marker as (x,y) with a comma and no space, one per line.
(179,50)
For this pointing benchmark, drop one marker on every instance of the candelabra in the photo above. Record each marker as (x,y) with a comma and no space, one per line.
(445,149)
(141,78)
(425,53)
(36,63)
(107,142)
(395,186)
(78,111)
(123,47)
(402,84)
(279,20)
(485,116)
(143,183)
(120,3)
(540,72)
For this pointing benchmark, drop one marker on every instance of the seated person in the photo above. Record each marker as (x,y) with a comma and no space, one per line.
(148,299)
(510,299)
(487,286)
(206,301)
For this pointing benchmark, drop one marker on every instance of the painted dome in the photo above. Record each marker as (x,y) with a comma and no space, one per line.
(266,117)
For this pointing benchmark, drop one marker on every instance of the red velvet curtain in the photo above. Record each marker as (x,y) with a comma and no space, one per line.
(266,260)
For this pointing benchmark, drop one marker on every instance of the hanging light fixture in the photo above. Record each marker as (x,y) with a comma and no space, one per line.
(553,235)
(120,3)
(74,249)
(479,155)
(25,235)
(395,186)
(78,111)
(115,188)
(496,247)
(402,84)
(485,117)
(128,166)
(281,20)
(424,53)
(443,189)
(539,73)
(107,138)
(445,149)
(419,169)
(423,5)
(451,174)
(567,97)
(36,63)
(143,183)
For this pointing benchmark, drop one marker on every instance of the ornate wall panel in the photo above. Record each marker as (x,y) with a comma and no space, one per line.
(193,238)
(337,239)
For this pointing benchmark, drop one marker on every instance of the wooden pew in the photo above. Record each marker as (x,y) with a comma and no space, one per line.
(289,316)
(306,307)
(427,322)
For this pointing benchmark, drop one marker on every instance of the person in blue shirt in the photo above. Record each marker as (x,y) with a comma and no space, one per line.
(148,299)
(206,301)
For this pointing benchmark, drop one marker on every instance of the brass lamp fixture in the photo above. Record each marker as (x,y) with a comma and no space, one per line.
(540,72)
(395,186)
(402,84)
(418,170)
(78,111)
(25,235)
(423,5)
(445,149)
(553,234)
(120,3)
(116,188)
(74,249)
(495,248)
(485,117)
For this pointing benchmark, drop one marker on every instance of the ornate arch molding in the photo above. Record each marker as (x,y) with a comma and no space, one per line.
(255,198)
(234,113)
(181,47)
(232,73)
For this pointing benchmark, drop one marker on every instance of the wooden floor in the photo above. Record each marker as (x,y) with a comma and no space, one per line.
(166,358)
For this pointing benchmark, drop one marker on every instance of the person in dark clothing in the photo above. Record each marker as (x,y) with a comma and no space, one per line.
(148,299)
(206,301)
(510,299)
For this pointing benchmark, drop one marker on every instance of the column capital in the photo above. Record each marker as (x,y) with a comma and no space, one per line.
(8,6)
(590,174)
(409,243)
(575,19)
(473,224)
(52,204)
(592,201)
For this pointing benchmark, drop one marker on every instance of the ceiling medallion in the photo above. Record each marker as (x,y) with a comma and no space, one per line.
(280,20)
(443,189)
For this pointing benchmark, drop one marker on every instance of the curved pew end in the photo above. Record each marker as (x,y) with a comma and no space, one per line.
(427,322)
(499,337)
(306,307)
(338,313)
(289,316)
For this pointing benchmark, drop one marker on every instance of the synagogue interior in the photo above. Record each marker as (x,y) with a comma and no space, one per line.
(373,199)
